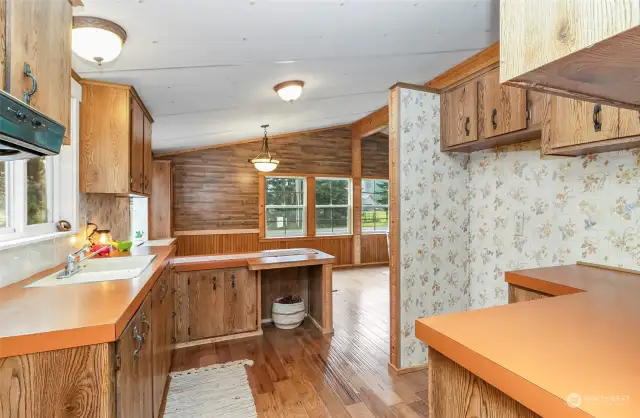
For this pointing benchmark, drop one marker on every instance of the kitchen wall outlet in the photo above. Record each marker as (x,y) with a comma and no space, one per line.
(519,224)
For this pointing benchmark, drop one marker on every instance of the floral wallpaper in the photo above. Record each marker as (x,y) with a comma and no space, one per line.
(434,222)
(575,208)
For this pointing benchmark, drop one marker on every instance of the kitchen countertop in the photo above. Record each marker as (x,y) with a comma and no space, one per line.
(261,260)
(585,341)
(49,318)
(40,319)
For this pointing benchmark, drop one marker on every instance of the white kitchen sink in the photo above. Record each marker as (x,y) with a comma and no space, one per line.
(101,270)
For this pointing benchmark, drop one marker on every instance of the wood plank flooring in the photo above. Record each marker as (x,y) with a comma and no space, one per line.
(299,373)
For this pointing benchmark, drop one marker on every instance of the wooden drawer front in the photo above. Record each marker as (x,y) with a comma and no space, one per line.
(459,115)
(504,108)
(572,122)
(521,294)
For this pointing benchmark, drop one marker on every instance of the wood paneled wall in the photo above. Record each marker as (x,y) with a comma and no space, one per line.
(218,188)
(375,156)
(373,248)
(340,247)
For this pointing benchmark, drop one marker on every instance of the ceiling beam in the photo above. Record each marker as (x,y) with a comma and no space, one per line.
(369,125)
(246,141)
(483,59)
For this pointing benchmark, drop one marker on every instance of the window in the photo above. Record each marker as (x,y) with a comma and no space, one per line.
(375,206)
(285,207)
(333,206)
(27,206)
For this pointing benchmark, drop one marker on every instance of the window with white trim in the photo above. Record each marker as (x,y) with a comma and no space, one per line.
(285,207)
(29,203)
(333,206)
(375,205)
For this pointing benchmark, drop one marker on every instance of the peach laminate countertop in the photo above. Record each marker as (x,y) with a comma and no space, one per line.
(261,260)
(40,319)
(584,341)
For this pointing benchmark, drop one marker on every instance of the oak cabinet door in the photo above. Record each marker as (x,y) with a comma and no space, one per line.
(459,114)
(575,122)
(240,289)
(504,108)
(148,156)
(137,147)
(629,123)
(161,310)
(40,35)
(206,304)
(134,396)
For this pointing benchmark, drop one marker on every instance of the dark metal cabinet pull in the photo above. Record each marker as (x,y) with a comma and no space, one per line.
(467,130)
(145,322)
(597,125)
(140,340)
(34,85)
(215,281)
(233,281)
(164,288)
(494,113)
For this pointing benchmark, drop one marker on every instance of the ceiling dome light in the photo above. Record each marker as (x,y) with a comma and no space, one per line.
(263,161)
(289,90)
(97,40)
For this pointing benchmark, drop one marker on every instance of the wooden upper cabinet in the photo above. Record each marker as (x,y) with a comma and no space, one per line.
(137,147)
(504,108)
(115,152)
(584,49)
(39,34)
(575,122)
(459,114)
(148,156)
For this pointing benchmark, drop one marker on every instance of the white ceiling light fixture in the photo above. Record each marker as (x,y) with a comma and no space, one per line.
(289,90)
(264,161)
(97,40)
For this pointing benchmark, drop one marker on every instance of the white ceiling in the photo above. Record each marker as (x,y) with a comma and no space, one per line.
(206,68)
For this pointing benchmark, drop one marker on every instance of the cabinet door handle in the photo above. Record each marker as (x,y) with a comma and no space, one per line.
(215,282)
(140,341)
(467,130)
(233,281)
(494,113)
(597,125)
(163,288)
(145,322)
(34,84)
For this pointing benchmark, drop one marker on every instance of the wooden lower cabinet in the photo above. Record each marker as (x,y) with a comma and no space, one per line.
(161,311)
(134,375)
(214,303)
(521,294)
(124,379)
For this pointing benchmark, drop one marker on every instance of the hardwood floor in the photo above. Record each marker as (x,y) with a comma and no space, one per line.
(299,373)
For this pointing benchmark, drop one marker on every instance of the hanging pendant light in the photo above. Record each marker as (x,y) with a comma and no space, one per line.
(264,161)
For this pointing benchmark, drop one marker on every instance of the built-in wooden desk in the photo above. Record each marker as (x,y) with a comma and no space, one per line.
(575,354)
(276,273)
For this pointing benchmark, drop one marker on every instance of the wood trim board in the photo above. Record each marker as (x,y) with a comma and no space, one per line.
(483,59)
(394,227)
(370,124)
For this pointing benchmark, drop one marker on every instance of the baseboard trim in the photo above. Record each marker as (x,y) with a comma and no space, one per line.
(399,372)
(353,266)
(212,340)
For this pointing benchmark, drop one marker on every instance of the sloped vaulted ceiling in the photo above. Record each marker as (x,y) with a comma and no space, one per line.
(206,68)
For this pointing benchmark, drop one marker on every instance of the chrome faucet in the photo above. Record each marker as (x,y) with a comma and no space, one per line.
(73,261)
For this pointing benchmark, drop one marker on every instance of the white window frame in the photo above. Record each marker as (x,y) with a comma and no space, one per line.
(348,206)
(374,206)
(62,189)
(303,207)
